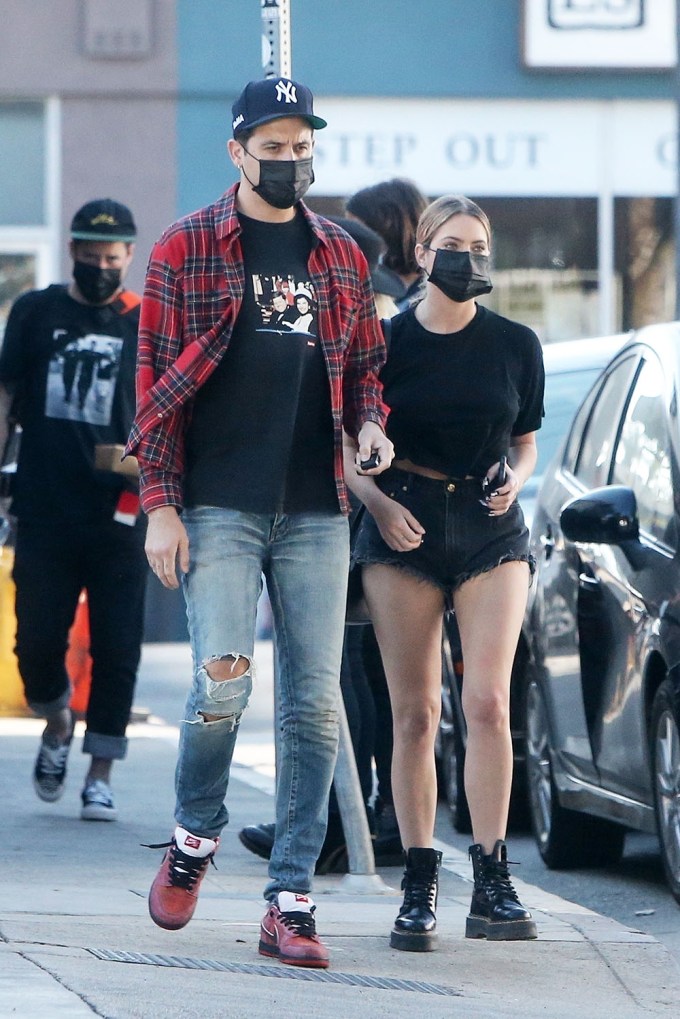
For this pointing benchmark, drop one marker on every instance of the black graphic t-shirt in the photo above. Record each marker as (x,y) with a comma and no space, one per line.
(71,367)
(261,434)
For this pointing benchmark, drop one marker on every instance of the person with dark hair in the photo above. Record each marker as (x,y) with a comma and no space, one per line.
(444,530)
(86,531)
(239,437)
(392,208)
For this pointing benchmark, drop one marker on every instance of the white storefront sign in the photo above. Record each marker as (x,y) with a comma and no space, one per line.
(572,34)
(499,147)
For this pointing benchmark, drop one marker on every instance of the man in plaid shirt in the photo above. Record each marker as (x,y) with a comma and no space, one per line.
(238,435)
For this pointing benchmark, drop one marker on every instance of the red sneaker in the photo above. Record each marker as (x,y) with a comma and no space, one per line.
(288,932)
(174,893)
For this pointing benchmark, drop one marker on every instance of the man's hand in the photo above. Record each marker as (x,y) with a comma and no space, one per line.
(371,439)
(167,545)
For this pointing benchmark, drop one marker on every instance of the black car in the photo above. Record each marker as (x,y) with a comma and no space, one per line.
(601,679)
(571,368)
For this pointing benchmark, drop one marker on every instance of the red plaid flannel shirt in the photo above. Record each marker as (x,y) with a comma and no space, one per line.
(192,296)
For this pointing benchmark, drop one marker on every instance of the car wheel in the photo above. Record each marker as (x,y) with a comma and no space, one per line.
(665,756)
(565,838)
(452,752)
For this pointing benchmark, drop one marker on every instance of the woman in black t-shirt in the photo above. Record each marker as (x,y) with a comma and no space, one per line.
(465,390)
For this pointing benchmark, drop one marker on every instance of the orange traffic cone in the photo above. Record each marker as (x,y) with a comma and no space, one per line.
(78,659)
(12,700)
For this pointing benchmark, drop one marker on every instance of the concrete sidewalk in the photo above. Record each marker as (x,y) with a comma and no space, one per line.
(76,938)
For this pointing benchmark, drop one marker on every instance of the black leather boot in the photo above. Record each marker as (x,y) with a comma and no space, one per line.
(415,927)
(496,912)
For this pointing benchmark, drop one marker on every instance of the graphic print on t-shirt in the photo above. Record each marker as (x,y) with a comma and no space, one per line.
(81,379)
(286,304)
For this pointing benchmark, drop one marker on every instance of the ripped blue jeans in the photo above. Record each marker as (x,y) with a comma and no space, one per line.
(304,557)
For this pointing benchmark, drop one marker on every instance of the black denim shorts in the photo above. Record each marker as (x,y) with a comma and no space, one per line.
(461,540)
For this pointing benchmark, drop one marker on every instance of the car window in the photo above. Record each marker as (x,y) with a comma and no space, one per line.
(642,459)
(599,436)
(563,393)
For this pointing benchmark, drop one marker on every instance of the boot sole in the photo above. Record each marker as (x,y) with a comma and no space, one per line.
(500,930)
(425,942)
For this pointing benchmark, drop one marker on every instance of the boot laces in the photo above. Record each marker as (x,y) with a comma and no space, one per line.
(183,870)
(419,890)
(498,881)
(302,924)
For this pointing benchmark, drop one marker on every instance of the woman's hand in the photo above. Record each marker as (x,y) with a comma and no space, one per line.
(499,500)
(523,454)
(398,527)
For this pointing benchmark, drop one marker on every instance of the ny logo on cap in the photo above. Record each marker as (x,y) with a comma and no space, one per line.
(285,92)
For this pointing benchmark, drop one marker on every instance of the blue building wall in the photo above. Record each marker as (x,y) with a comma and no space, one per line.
(415,48)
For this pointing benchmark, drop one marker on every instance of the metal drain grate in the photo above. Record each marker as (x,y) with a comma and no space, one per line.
(278,972)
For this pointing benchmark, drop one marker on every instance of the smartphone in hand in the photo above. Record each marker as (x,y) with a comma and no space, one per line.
(373,461)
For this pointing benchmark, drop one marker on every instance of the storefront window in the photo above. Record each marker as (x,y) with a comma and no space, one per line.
(22,161)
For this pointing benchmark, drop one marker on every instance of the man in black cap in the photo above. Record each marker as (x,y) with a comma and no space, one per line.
(78,526)
(239,429)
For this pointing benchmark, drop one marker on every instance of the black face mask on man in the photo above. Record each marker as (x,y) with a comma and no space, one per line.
(460,275)
(96,284)
(283,182)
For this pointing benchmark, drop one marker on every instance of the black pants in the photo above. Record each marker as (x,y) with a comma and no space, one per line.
(53,563)
(369,714)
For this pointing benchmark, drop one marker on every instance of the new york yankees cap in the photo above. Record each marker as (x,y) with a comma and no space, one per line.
(270,99)
(103,220)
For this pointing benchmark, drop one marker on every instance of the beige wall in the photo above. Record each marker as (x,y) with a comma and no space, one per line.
(124,150)
(118,116)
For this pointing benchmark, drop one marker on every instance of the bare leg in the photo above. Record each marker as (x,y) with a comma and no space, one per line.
(100,770)
(59,725)
(489,609)
(407,618)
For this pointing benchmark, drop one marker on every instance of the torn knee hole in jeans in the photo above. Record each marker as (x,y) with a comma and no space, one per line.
(228,684)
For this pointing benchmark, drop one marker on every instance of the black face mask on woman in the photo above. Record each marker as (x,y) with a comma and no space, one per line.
(96,284)
(461,275)
(283,182)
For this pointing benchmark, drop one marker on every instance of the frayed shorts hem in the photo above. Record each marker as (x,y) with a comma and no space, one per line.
(448,590)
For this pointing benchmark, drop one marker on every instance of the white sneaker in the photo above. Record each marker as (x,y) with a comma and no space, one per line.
(98,802)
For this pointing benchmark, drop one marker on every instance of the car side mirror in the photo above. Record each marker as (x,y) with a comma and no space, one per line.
(606,516)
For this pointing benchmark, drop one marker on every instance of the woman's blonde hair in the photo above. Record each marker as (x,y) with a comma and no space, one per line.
(442,209)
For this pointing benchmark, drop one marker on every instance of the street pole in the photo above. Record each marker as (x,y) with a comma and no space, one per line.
(676,202)
(276,60)
(276,51)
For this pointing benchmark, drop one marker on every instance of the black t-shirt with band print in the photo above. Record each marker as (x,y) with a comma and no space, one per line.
(71,367)
(261,434)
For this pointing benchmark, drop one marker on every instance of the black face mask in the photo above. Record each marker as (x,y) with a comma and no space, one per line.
(96,284)
(461,275)
(283,182)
